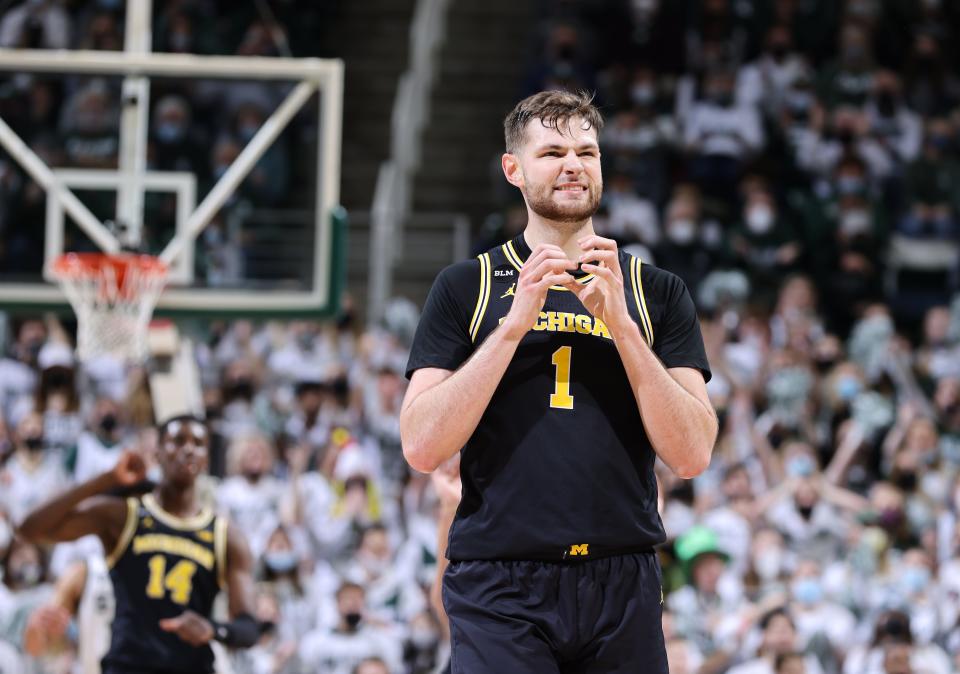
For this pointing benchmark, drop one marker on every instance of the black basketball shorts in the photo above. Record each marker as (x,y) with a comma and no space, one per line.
(601,616)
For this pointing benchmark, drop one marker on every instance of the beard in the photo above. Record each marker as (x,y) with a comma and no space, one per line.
(541,201)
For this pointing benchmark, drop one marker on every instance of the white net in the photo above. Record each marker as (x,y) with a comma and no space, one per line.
(113,297)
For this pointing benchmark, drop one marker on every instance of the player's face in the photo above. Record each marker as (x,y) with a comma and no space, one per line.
(183,451)
(560,171)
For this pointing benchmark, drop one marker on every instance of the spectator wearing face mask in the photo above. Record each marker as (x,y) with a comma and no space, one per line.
(931,85)
(283,573)
(18,375)
(252,493)
(32,473)
(272,653)
(779,641)
(177,144)
(932,186)
(631,218)
(57,398)
(25,586)
(392,593)
(895,127)
(892,630)
(822,624)
(420,648)
(765,82)
(849,79)
(720,136)
(769,565)
(268,181)
(355,637)
(806,507)
(764,243)
(89,126)
(100,445)
(682,248)
(641,138)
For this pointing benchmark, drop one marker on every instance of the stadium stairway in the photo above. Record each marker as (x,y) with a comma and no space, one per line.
(479,81)
(373,39)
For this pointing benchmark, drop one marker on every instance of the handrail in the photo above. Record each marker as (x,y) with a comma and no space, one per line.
(392,199)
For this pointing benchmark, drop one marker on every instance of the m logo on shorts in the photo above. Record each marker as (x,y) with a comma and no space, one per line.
(581,550)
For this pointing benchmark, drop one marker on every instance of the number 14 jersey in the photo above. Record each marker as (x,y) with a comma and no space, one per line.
(560,466)
(162,566)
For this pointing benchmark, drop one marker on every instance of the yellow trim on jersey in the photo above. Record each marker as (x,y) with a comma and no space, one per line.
(198,521)
(129,528)
(513,258)
(483,297)
(511,254)
(220,550)
(636,280)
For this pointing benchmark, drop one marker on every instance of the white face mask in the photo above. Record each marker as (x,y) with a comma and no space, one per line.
(682,232)
(769,564)
(855,222)
(760,219)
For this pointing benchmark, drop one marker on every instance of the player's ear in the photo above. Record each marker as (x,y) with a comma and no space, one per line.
(511,169)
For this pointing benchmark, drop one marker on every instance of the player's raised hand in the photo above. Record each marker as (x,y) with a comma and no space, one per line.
(547,265)
(603,297)
(190,627)
(130,469)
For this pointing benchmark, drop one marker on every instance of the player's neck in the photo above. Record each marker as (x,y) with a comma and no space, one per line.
(563,234)
(178,500)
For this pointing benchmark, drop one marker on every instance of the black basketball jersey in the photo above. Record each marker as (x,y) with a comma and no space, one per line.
(162,566)
(560,466)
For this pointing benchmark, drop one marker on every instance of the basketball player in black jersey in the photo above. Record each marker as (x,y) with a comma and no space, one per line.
(168,556)
(562,367)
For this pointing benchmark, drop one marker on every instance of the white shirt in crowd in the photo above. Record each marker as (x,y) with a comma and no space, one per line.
(334,652)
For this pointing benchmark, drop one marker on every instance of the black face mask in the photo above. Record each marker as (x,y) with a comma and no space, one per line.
(907,480)
(57,380)
(353,620)
(34,443)
(242,388)
(108,423)
(886,104)
(824,365)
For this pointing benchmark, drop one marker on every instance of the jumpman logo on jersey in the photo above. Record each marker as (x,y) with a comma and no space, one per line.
(509,292)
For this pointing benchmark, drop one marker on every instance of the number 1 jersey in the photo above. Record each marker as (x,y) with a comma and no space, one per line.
(560,466)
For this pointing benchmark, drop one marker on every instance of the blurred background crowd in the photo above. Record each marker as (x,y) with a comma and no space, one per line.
(796,162)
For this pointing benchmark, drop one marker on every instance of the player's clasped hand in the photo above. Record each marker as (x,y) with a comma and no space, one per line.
(547,265)
(604,296)
(131,469)
(189,626)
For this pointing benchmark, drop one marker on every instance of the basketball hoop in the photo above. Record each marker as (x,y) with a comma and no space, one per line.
(113,296)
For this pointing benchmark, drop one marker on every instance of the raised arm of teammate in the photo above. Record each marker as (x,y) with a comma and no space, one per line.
(442,408)
(84,509)
(676,412)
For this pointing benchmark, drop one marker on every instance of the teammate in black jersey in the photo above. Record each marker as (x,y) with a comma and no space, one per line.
(168,557)
(562,367)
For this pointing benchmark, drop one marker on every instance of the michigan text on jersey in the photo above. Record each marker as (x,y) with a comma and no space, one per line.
(174,545)
(565,321)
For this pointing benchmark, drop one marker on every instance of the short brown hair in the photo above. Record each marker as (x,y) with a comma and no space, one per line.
(553,109)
